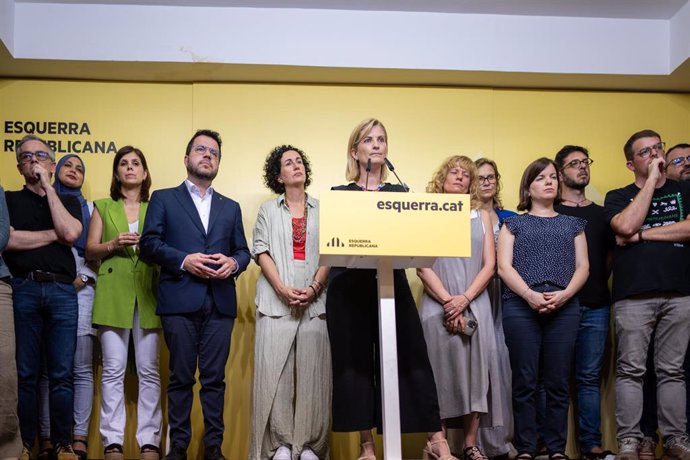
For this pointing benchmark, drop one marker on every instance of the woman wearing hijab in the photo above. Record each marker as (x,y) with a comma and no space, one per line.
(69,179)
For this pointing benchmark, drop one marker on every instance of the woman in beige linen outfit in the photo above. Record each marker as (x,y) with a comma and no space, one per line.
(292,362)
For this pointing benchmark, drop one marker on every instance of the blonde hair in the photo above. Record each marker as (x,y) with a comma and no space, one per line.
(497,203)
(435,185)
(361,130)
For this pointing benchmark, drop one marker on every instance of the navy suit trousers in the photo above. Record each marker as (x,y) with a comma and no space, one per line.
(204,337)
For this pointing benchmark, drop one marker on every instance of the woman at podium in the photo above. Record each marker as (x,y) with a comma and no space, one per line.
(463,357)
(352,317)
(292,361)
(542,259)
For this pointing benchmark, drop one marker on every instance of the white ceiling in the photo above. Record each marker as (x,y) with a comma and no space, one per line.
(637,9)
(599,44)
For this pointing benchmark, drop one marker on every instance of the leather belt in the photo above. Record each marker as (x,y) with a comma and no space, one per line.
(49,277)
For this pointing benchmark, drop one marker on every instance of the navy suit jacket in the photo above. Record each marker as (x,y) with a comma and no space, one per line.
(173,229)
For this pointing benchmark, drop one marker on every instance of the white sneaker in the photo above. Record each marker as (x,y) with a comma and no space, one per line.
(283,453)
(308,454)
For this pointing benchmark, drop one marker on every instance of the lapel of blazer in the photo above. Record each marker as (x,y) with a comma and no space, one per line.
(217,202)
(118,217)
(143,206)
(188,205)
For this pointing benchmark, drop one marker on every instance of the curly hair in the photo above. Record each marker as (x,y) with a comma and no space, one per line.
(272,168)
(498,203)
(435,185)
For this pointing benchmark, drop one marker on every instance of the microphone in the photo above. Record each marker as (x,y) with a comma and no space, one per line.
(366,184)
(392,169)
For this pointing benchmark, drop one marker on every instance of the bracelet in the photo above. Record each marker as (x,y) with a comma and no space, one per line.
(108,248)
(467,298)
(316,288)
(319,283)
(312,288)
(639,233)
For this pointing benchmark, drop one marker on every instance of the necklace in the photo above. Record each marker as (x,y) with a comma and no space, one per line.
(576,203)
(299,225)
(378,187)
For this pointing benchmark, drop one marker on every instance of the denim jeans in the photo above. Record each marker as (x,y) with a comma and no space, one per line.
(45,311)
(589,357)
(551,337)
(668,317)
(83,390)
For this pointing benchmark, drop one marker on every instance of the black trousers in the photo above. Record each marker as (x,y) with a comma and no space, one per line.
(352,318)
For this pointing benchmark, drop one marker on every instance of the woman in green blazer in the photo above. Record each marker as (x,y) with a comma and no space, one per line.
(125,305)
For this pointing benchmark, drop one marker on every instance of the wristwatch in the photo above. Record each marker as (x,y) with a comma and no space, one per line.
(87,279)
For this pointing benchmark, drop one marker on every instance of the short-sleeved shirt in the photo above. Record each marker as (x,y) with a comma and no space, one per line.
(544,249)
(600,241)
(29,211)
(652,266)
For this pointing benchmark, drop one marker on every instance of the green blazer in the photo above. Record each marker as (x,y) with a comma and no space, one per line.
(123,279)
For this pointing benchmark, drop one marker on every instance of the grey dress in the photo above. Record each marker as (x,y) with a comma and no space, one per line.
(465,368)
(495,441)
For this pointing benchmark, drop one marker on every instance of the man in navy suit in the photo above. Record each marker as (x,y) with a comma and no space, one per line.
(196,235)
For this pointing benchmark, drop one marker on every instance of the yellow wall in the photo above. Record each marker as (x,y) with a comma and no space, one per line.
(424,125)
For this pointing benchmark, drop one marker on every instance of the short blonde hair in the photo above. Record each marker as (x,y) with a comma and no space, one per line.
(361,130)
(435,185)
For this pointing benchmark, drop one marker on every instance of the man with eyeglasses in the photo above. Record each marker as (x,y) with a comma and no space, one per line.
(595,299)
(651,294)
(196,236)
(43,227)
(678,162)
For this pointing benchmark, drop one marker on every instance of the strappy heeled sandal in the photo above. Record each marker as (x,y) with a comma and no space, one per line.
(429,454)
(367,457)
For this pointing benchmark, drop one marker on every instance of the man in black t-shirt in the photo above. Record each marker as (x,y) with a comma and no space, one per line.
(43,227)
(651,294)
(573,165)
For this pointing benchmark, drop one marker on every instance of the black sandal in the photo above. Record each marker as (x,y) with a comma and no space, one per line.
(81,453)
(473,453)
(113,452)
(149,452)
(558,456)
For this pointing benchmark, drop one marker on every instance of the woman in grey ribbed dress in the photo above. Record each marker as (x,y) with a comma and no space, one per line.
(292,361)
(496,441)
(465,367)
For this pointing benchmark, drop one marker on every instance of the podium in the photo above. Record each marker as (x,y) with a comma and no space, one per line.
(388,231)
